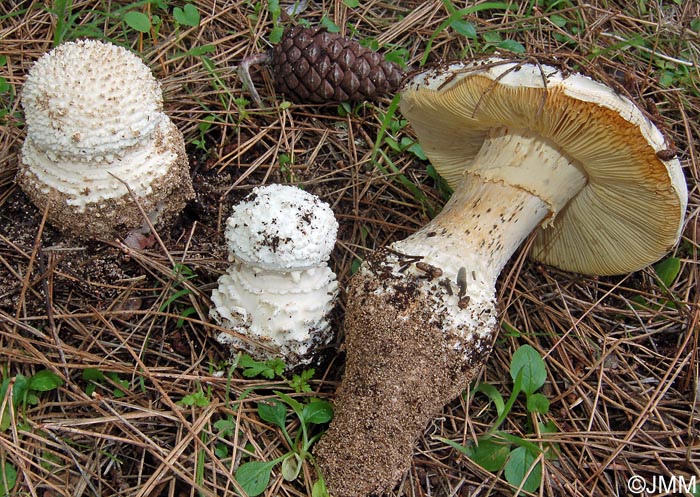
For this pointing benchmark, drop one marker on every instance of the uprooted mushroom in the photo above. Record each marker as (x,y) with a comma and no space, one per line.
(99,147)
(528,150)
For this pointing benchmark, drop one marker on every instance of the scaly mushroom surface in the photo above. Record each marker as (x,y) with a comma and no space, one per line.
(527,149)
(277,296)
(95,123)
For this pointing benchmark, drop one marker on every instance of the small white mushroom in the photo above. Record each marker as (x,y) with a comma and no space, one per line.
(277,295)
(95,124)
(528,150)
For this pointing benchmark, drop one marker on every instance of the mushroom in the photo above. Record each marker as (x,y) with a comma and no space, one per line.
(528,150)
(98,144)
(277,295)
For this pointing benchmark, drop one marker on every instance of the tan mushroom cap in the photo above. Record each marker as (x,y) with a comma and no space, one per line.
(630,210)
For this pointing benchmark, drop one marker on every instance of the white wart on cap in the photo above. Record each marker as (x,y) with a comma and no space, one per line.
(95,121)
(277,296)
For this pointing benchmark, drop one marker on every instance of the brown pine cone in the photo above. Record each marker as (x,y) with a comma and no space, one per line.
(313,65)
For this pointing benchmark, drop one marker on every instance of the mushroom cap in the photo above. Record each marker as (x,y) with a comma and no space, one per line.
(281,227)
(630,211)
(88,98)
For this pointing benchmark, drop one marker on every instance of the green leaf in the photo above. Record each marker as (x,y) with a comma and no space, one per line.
(511,46)
(558,20)
(197,399)
(317,412)
(330,26)
(466,450)
(5,414)
(352,4)
(490,454)
(221,450)
(510,331)
(518,466)
(319,488)
(291,467)
(276,34)
(534,373)
(44,381)
(8,479)
(225,426)
(275,10)
(296,406)
(92,374)
(494,395)
(491,36)
(417,150)
(273,412)
(667,270)
(173,298)
(187,16)
(137,21)
(20,388)
(200,50)
(537,402)
(122,385)
(254,476)
(267,369)
(464,28)
(300,382)
(399,56)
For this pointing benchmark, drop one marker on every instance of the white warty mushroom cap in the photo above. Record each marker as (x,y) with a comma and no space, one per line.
(281,227)
(279,292)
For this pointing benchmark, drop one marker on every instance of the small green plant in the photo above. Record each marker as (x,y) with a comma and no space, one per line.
(6,93)
(456,21)
(8,478)
(24,392)
(496,450)
(254,476)
(268,369)
(390,127)
(203,127)
(196,399)
(187,15)
(181,274)
(97,379)
(274,368)
(666,272)
(273,6)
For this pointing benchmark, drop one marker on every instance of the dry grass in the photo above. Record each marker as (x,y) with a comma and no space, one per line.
(623,380)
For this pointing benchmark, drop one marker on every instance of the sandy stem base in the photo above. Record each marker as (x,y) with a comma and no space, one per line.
(402,367)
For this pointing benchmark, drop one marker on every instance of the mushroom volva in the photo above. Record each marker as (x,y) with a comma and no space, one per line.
(527,149)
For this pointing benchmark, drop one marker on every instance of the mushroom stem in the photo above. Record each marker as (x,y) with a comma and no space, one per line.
(421,316)
(515,181)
